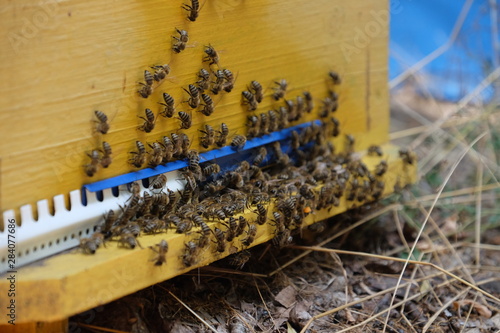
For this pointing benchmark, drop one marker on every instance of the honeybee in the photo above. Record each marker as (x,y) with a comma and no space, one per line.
(149,121)
(212,57)
(238,142)
(193,10)
(139,157)
(261,214)
(193,160)
(204,80)
(102,126)
(220,239)
(273,124)
(184,226)
(168,149)
(95,160)
(145,90)
(208,106)
(253,126)
(218,83)
(209,138)
(280,90)
(128,240)
(329,105)
(90,245)
(295,140)
(336,126)
(161,257)
(183,38)
(106,157)
(283,238)
(249,100)
(229,84)
(264,124)
(148,77)
(251,233)
(185,119)
(335,77)
(189,256)
(210,169)
(109,220)
(407,156)
(256,89)
(134,188)
(158,183)
(381,168)
(161,72)
(238,260)
(205,234)
(185,143)
(156,154)
(309,101)
(194,96)
(260,156)
(283,117)
(350,141)
(169,106)
(222,137)
(375,150)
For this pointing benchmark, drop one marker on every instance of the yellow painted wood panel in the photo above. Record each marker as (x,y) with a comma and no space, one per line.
(69,283)
(61,60)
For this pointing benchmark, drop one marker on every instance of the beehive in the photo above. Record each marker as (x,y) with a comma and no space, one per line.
(64,60)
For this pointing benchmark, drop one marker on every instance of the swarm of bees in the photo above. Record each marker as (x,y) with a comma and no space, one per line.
(221,208)
(218,209)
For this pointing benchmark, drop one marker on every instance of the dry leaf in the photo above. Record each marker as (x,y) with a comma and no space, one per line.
(286,297)
(482,310)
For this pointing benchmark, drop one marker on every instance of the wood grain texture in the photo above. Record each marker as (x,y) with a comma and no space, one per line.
(70,283)
(61,60)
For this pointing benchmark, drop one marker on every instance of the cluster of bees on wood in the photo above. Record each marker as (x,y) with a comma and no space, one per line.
(279,186)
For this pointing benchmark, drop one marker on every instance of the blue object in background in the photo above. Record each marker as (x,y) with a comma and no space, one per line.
(418,28)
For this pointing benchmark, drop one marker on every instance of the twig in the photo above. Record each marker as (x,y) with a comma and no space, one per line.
(102,329)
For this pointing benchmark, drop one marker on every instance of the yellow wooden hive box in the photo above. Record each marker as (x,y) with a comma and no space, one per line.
(63,60)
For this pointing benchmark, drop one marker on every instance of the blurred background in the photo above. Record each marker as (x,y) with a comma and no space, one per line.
(452,45)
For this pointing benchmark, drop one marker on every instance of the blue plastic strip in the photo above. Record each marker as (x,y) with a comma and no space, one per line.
(206,156)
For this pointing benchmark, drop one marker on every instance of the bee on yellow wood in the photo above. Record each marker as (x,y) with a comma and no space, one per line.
(208,139)
(208,106)
(183,38)
(185,119)
(249,100)
(169,110)
(193,10)
(161,253)
(95,160)
(194,96)
(139,156)
(222,137)
(335,77)
(106,157)
(102,123)
(212,57)
(161,72)
(280,90)
(149,121)
(256,89)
